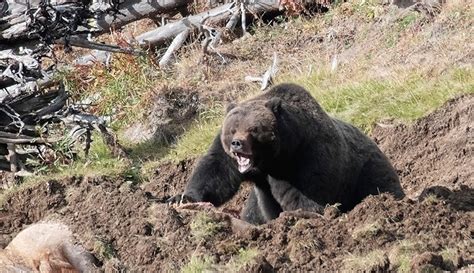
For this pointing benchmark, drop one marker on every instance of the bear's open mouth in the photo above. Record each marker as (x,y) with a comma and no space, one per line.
(244,161)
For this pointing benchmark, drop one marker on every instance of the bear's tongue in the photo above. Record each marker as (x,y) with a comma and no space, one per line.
(244,163)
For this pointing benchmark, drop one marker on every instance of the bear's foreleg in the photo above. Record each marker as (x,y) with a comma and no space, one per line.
(215,178)
(290,198)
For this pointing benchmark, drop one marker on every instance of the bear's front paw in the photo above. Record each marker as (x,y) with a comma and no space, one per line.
(180,199)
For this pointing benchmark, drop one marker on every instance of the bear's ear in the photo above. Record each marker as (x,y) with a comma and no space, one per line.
(230,106)
(274,104)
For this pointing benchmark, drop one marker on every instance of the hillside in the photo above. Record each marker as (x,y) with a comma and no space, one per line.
(402,75)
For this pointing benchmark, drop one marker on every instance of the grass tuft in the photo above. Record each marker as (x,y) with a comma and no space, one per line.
(450,255)
(205,263)
(198,265)
(243,258)
(431,199)
(367,231)
(400,256)
(372,261)
(104,249)
(204,227)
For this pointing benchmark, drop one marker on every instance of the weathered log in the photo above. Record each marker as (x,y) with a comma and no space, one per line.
(9,138)
(178,41)
(12,158)
(84,43)
(217,15)
(131,11)
(15,25)
(168,32)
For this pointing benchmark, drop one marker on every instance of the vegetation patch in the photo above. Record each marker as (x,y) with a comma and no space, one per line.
(405,99)
(367,231)
(401,255)
(243,258)
(104,249)
(204,227)
(431,199)
(121,91)
(450,256)
(198,265)
(374,261)
(199,136)
(205,263)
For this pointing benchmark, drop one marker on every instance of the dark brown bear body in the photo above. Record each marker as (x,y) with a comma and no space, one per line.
(297,156)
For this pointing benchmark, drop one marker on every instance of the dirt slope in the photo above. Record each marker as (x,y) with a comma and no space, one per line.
(126,226)
(436,150)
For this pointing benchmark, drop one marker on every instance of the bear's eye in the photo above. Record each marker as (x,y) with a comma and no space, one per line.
(232,131)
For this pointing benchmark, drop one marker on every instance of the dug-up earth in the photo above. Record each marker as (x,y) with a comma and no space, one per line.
(128,227)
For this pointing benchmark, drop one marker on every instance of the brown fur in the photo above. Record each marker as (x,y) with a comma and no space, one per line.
(45,248)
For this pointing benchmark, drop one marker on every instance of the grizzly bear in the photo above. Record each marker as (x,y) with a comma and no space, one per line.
(296,155)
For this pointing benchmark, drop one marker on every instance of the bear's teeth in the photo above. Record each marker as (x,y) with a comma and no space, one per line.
(244,163)
(243,168)
(243,160)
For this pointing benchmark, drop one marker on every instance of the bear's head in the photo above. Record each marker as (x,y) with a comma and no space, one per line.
(249,133)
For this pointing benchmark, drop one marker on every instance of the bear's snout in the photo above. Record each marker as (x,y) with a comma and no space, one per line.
(236,145)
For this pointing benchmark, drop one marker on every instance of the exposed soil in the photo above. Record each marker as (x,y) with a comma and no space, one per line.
(435,150)
(129,227)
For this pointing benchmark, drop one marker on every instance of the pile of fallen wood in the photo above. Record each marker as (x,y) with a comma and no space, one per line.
(34,104)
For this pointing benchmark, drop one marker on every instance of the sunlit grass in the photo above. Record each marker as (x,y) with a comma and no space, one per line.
(122,91)
(404,99)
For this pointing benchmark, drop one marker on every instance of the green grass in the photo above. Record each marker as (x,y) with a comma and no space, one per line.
(407,20)
(198,265)
(104,249)
(199,136)
(204,227)
(205,264)
(366,262)
(367,230)
(100,161)
(122,91)
(368,101)
(401,255)
(244,257)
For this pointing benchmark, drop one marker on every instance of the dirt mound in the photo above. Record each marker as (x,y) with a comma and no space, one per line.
(127,226)
(435,150)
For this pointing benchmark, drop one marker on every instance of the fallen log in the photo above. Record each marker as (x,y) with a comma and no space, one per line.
(170,31)
(97,19)
(134,10)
